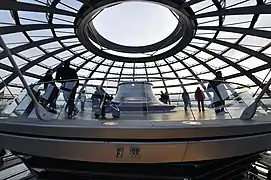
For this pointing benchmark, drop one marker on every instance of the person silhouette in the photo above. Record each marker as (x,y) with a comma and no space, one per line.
(69,86)
(186,99)
(199,96)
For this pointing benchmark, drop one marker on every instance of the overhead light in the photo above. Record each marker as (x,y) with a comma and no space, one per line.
(192,122)
(110,123)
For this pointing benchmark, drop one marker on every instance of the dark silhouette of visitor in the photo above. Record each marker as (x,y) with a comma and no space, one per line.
(163,97)
(83,100)
(186,99)
(69,87)
(199,96)
(47,78)
(218,100)
(51,91)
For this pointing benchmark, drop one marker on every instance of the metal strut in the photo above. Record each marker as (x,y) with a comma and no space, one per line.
(250,111)
(41,112)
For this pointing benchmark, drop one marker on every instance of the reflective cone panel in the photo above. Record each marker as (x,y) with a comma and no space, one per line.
(138,96)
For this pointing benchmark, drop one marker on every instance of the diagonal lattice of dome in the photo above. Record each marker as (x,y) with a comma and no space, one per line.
(157,45)
(203,37)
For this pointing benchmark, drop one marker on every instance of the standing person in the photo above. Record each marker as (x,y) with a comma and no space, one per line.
(51,91)
(83,100)
(199,96)
(219,92)
(186,99)
(69,86)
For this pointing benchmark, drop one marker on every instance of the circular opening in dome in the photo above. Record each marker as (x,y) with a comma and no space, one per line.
(135,23)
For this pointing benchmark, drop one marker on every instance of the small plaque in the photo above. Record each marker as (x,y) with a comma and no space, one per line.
(135,152)
(119,152)
(127,151)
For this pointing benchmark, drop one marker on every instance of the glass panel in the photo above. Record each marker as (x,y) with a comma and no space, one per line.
(138,99)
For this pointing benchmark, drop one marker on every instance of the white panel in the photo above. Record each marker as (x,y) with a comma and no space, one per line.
(252,63)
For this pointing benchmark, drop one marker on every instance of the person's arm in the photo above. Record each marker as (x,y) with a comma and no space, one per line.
(203,95)
(76,77)
(58,73)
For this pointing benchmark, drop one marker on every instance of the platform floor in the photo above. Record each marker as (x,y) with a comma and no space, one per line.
(177,115)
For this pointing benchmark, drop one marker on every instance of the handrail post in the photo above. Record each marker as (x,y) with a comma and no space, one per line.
(41,113)
(250,111)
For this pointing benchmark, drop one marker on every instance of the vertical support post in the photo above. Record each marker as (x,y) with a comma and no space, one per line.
(250,111)
(41,113)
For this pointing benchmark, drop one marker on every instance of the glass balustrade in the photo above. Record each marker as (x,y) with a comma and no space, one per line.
(136,100)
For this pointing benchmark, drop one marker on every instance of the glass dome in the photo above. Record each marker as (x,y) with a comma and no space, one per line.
(228,36)
(126,54)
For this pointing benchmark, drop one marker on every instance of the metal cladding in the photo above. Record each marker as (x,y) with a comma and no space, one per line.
(138,96)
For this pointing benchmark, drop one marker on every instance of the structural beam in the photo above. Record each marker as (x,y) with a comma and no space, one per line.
(35,44)
(243,49)
(22,6)
(236,66)
(21,28)
(252,32)
(31,64)
(260,9)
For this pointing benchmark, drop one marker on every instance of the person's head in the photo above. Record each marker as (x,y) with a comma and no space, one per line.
(99,88)
(184,90)
(198,88)
(219,74)
(49,72)
(66,63)
(83,91)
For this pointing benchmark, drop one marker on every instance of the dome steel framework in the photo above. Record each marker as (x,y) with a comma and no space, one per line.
(231,36)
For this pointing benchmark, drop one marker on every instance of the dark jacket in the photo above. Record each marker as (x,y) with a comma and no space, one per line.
(199,96)
(185,96)
(47,78)
(67,73)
